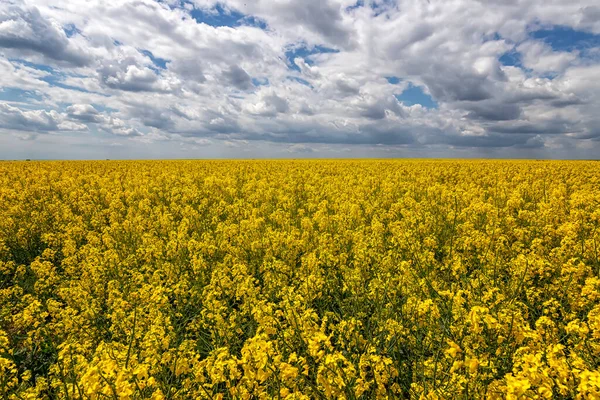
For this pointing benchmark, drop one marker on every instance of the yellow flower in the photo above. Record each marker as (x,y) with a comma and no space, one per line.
(453,350)
(473,364)
(298,279)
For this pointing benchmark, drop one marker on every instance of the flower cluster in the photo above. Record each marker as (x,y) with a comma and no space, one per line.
(300,280)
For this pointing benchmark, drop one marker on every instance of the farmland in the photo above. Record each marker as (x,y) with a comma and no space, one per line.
(300,279)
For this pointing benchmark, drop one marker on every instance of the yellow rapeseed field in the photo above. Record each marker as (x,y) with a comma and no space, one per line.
(300,280)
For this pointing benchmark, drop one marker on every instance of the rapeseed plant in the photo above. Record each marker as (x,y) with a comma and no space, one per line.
(299,280)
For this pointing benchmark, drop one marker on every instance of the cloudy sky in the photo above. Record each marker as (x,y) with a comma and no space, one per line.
(288,78)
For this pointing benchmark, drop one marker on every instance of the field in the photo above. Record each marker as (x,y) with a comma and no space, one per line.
(299,279)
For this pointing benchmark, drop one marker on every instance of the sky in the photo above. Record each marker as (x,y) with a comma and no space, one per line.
(143,79)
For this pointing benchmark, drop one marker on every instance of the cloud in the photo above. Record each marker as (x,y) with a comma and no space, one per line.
(541,58)
(20,76)
(87,113)
(300,148)
(126,74)
(495,141)
(288,75)
(322,17)
(315,21)
(269,104)
(377,107)
(24,30)
(189,69)
(237,77)
(493,111)
(13,118)
(549,127)
(83,112)
(117,126)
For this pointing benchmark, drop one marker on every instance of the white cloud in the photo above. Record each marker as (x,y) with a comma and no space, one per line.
(83,112)
(118,127)
(24,30)
(219,85)
(540,57)
(13,118)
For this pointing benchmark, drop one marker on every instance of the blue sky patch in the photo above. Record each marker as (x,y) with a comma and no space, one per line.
(378,7)
(511,59)
(260,81)
(102,109)
(221,16)
(40,67)
(56,80)
(305,53)
(394,80)
(358,4)
(492,38)
(414,95)
(559,38)
(251,20)
(18,95)
(563,38)
(157,61)
(71,30)
(300,80)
